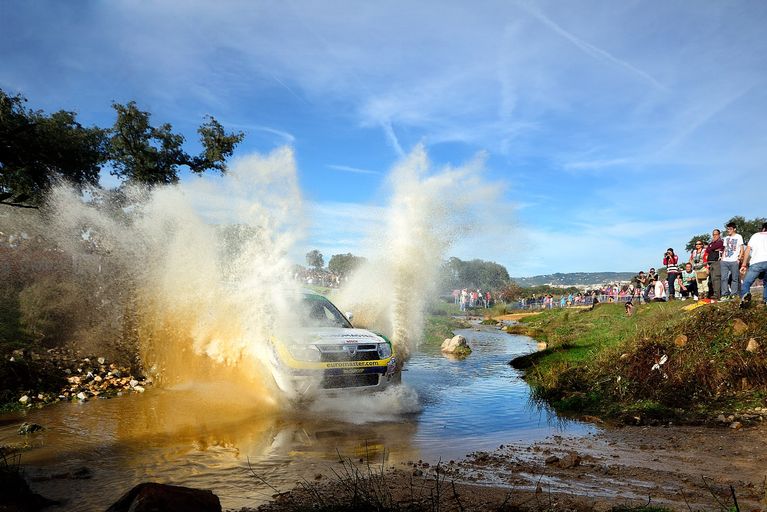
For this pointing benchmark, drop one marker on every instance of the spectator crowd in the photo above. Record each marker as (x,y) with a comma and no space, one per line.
(724,269)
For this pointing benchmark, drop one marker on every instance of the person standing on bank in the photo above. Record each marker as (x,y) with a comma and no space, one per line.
(757,249)
(671,262)
(698,260)
(731,257)
(713,257)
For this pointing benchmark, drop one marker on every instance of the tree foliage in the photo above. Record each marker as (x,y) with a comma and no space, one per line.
(314,259)
(476,273)
(705,237)
(142,153)
(344,264)
(37,150)
(746,227)
(511,292)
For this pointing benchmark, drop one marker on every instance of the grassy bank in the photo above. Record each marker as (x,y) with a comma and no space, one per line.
(443,318)
(664,362)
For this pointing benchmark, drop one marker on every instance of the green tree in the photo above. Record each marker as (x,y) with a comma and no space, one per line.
(37,151)
(344,264)
(142,153)
(314,259)
(745,227)
(705,237)
(476,273)
(511,292)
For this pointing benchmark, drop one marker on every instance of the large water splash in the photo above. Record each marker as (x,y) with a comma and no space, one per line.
(200,296)
(200,299)
(428,212)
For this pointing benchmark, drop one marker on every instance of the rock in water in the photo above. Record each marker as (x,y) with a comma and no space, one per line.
(29,428)
(457,346)
(149,497)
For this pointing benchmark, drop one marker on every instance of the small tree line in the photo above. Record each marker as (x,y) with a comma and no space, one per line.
(746,228)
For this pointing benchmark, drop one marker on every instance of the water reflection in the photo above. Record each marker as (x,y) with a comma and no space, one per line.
(218,436)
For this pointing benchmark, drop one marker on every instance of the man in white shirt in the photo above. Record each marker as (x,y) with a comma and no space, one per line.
(757,250)
(731,257)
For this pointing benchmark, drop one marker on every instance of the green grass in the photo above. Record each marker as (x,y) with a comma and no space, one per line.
(600,361)
(438,328)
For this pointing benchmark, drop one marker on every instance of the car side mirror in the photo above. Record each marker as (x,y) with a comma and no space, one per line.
(349,315)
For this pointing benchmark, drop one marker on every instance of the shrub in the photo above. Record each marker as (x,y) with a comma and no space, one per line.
(49,309)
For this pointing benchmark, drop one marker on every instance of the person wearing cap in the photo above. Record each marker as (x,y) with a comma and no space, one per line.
(757,250)
(731,257)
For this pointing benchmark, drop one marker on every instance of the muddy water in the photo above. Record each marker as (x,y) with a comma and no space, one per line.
(208,437)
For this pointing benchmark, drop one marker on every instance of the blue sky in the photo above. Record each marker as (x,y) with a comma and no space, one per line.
(617,129)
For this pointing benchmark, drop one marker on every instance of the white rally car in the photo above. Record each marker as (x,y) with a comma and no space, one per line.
(326,353)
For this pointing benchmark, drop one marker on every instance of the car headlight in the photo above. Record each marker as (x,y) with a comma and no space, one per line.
(384,350)
(304,352)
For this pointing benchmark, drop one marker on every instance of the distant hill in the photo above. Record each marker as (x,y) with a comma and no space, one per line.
(574,278)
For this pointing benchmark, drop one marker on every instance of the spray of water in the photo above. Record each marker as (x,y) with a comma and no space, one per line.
(201,299)
(201,296)
(429,211)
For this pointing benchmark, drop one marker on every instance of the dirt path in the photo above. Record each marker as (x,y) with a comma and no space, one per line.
(681,468)
(673,466)
(516,316)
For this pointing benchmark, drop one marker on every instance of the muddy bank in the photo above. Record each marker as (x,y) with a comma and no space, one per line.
(679,468)
(30,378)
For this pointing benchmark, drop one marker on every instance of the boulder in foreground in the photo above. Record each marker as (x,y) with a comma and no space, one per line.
(150,497)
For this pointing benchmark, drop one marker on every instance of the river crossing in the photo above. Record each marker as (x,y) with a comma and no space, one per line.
(91,453)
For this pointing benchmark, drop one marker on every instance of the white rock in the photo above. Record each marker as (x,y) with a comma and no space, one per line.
(456,344)
(139,389)
(133,383)
(101,360)
(24,399)
(82,396)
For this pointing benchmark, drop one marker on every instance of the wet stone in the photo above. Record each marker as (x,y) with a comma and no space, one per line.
(571,460)
(29,428)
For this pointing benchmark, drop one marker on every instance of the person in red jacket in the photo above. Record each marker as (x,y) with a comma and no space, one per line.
(671,262)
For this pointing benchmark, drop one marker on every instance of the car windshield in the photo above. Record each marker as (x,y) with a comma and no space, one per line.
(317,311)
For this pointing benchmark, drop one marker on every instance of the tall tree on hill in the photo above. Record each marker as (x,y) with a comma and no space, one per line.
(314,259)
(476,273)
(37,151)
(746,227)
(142,153)
(344,264)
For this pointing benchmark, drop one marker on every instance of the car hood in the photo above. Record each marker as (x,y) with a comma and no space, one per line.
(335,336)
